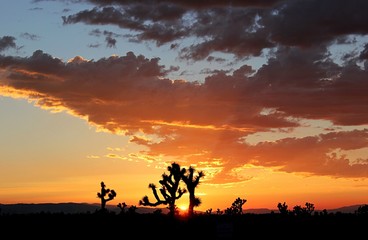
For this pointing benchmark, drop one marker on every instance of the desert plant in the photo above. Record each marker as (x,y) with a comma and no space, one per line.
(170,189)
(324,212)
(236,207)
(209,211)
(219,212)
(303,211)
(192,182)
(122,207)
(105,195)
(297,210)
(132,209)
(309,208)
(283,208)
(362,210)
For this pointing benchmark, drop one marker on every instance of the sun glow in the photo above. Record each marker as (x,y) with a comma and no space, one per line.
(183,208)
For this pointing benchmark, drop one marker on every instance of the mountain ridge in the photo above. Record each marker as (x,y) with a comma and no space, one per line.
(73,208)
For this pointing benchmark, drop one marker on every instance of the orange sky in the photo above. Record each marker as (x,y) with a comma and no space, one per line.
(292,128)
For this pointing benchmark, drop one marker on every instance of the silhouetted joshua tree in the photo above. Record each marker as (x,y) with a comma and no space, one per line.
(192,182)
(362,210)
(309,208)
(303,211)
(132,210)
(209,211)
(111,194)
(169,190)
(236,207)
(283,208)
(122,207)
(219,212)
(297,209)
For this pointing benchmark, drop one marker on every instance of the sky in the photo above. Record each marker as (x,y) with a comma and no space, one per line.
(267,98)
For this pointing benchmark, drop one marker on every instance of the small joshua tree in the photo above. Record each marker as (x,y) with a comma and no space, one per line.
(132,210)
(303,211)
(105,195)
(309,208)
(219,212)
(362,210)
(236,207)
(122,207)
(283,208)
(209,211)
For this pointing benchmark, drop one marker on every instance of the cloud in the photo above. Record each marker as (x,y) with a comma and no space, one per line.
(307,23)
(308,84)
(7,42)
(30,36)
(110,37)
(206,123)
(241,28)
(312,154)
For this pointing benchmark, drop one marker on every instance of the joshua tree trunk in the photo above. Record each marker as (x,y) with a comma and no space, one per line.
(192,182)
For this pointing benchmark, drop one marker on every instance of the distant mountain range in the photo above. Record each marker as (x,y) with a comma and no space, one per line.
(345,209)
(67,208)
(73,208)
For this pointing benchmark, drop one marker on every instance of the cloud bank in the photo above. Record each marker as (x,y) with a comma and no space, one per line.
(207,123)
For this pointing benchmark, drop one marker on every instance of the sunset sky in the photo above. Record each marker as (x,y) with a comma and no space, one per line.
(268,98)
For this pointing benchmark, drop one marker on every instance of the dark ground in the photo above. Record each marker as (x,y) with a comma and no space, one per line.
(161,226)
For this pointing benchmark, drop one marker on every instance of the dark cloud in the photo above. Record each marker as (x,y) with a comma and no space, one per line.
(162,28)
(36,9)
(7,42)
(95,32)
(215,59)
(110,42)
(96,45)
(306,23)
(190,3)
(30,36)
(364,54)
(241,28)
(110,37)
(300,83)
